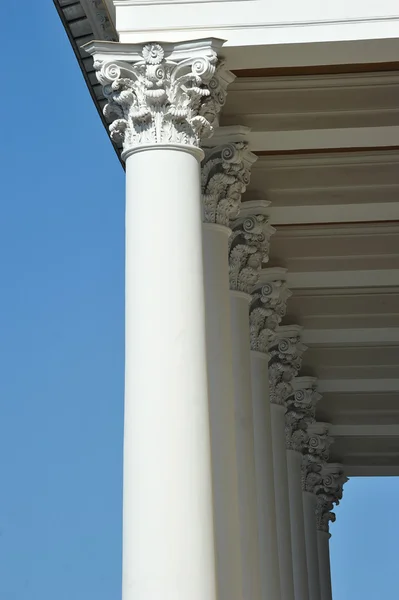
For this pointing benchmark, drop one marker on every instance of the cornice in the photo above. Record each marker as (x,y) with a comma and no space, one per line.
(84,61)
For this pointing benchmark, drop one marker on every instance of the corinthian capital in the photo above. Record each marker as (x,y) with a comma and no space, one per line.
(267,307)
(333,480)
(319,440)
(301,409)
(224,178)
(160,94)
(249,245)
(285,361)
(317,449)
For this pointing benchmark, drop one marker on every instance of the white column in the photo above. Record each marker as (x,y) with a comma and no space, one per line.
(168,541)
(267,308)
(301,408)
(282,503)
(294,460)
(219,203)
(221,408)
(309,507)
(330,493)
(245,445)
(248,247)
(323,547)
(266,505)
(318,444)
(285,360)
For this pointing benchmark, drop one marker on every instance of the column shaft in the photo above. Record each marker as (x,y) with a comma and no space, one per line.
(245,445)
(323,545)
(222,415)
(266,504)
(294,461)
(168,546)
(312,557)
(282,501)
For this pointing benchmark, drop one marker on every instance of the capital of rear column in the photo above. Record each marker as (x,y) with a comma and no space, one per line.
(161,93)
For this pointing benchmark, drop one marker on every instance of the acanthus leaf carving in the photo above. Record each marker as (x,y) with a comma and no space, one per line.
(161,95)
(248,249)
(267,309)
(284,364)
(316,453)
(300,414)
(331,492)
(225,175)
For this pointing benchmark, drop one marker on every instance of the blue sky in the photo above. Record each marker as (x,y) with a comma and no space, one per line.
(61,327)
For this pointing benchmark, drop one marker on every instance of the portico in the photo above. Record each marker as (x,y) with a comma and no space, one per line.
(261,303)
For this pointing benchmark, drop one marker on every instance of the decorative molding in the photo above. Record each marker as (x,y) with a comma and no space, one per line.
(301,410)
(285,361)
(317,449)
(249,244)
(344,279)
(332,484)
(225,176)
(291,82)
(160,94)
(267,308)
(100,20)
(270,25)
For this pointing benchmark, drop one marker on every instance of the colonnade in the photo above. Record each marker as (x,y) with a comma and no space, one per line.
(227,486)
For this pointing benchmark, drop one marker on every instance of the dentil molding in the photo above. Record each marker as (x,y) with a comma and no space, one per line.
(160,94)
(267,308)
(225,175)
(285,361)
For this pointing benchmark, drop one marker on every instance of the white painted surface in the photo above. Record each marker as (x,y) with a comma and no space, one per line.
(266,503)
(257,22)
(359,137)
(358,385)
(343,279)
(168,544)
(239,303)
(222,415)
(283,520)
(312,556)
(361,336)
(377,430)
(301,585)
(335,213)
(323,544)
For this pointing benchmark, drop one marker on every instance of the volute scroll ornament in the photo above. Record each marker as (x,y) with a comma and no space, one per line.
(160,94)
(316,453)
(225,175)
(249,245)
(285,361)
(330,494)
(267,308)
(300,414)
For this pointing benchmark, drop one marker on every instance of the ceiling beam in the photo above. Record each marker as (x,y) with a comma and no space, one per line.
(374,430)
(358,137)
(371,470)
(358,385)
(334,213)
(343,279)
(331,337)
